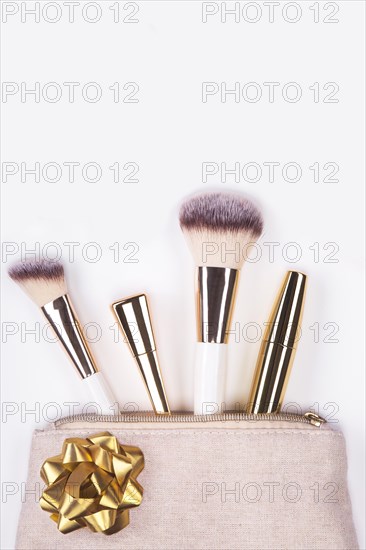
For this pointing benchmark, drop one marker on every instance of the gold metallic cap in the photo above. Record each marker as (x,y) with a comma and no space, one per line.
(283,326)
(134,318)
(278,346)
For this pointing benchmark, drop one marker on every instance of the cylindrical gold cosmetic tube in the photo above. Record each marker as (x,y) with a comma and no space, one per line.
(134,318)
(278,347)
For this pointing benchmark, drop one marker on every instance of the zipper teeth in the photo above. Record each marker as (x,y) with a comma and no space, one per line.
(189,418)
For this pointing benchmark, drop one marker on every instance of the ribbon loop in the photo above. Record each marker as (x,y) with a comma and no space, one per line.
(92,483)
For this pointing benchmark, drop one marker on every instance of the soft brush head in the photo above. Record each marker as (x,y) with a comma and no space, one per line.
(219,228)
(43,281)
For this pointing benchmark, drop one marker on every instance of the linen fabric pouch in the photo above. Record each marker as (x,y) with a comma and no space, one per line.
(231,481)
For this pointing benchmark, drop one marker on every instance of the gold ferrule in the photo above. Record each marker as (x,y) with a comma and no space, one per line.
(278,348)
(134,319)
(62,317)
(216,290)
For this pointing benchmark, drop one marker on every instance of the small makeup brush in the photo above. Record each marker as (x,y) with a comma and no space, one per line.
(45,284)
(219,228)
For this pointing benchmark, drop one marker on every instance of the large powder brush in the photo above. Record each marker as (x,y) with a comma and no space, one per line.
(219,229)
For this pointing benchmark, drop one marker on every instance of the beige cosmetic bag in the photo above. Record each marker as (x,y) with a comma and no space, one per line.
(231,481)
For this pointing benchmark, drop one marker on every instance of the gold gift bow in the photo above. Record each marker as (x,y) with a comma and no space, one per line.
(92,483)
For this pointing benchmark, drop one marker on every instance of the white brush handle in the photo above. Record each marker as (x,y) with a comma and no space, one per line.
(101,392)
(210,377)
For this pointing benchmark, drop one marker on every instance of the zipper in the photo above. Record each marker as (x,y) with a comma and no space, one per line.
(145,416)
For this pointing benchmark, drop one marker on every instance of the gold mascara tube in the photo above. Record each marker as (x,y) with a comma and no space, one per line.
(278,348)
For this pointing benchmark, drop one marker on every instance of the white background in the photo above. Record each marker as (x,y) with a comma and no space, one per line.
(169,133)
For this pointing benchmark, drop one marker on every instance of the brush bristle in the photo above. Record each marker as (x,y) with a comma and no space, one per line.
(43,281)
(219,228)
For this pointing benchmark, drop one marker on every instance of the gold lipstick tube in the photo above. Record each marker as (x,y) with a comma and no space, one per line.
(216,290)
(62,317)
(134,319)
(278,347)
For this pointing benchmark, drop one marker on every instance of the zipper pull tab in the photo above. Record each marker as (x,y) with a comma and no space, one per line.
(315,419)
